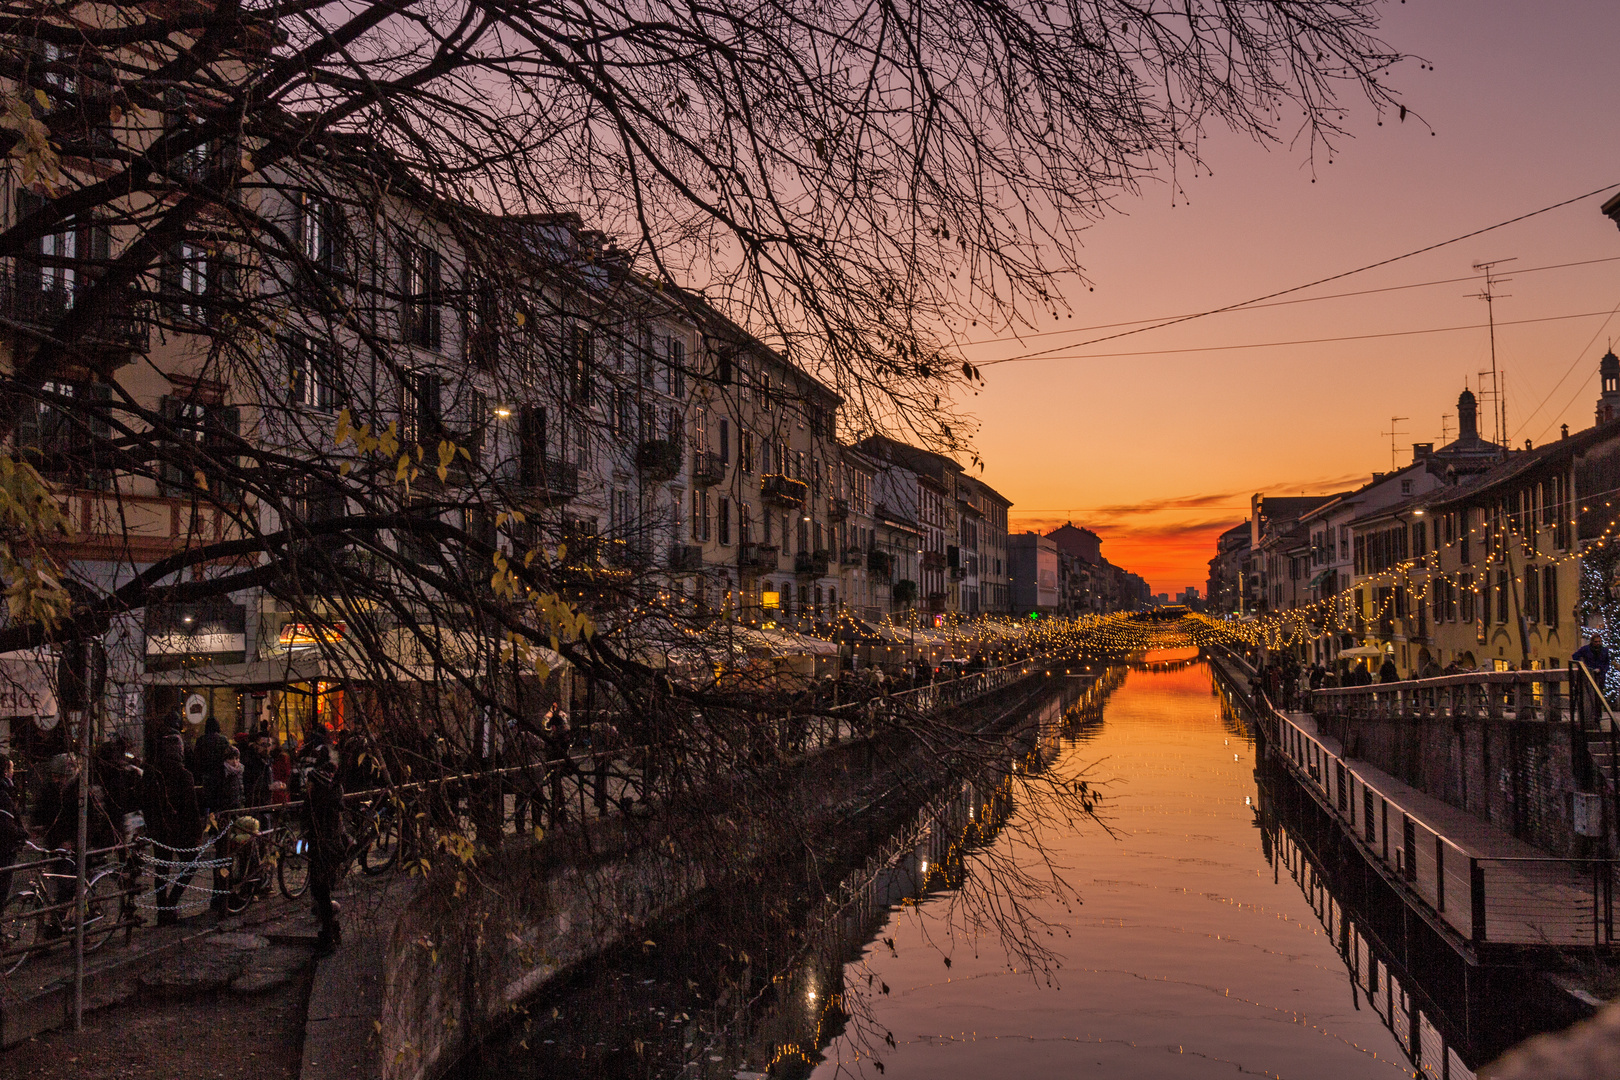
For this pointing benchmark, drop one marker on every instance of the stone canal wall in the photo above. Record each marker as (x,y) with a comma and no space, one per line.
(1517,775)
(446,962)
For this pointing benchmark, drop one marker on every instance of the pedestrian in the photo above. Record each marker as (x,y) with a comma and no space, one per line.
(1388,673)
(174,823)
(209,754)
(1595,657)
(328,841)
(257,770)
(1318,675)
(226,798)
(12,830)
(281,773)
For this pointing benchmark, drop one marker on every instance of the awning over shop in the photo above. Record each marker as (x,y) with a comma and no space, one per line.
(402,656)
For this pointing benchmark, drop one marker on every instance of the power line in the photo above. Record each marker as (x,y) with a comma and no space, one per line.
(1579,357)
(1310,285)
(1321,341)
(1284,303)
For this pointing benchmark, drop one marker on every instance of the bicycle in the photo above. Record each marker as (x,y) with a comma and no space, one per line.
(255,857)
(378,837)
(32,912)
(292,863)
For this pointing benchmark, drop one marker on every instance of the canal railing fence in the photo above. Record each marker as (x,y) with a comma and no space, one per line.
(1490,889)
(609,767)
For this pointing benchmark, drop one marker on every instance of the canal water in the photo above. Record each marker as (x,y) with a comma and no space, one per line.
(1187,954)
(1179,943)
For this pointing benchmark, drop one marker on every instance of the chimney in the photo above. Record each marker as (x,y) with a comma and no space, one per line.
(1422,451)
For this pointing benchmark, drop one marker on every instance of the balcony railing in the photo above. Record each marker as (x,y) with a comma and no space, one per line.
(933,560)
(707,468)
(759,556)
(783,491)
(546,480)
(114,324)
(658,460)
(837,510)
(852,557)
(880,564)
(814,563)
(686,557)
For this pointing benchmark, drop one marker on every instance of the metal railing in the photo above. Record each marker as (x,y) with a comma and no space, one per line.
(1515,695)
(580,781)
(1524,901)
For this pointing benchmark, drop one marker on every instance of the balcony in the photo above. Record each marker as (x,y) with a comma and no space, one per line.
(880,564)
(958,573)
(936,601)
(837,510)
(759,557)
(114,326)
(658,460)
(813,563)
(707,469)
(933,560)
(547,481)
(684,557)
(852,557)
(783,491)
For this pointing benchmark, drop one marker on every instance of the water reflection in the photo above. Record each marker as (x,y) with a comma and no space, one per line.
(759,982)
(1184,938)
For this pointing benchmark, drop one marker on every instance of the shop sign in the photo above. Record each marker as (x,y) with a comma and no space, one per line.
(177,632)
(26,683)
(196,709)
(300,635)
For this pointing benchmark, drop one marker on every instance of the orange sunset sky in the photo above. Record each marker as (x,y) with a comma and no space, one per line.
(1157,440)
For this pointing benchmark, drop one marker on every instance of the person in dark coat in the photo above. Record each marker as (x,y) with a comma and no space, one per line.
(12,830)
(1388,673)
(174,823)
(209,754)
(256,770)
(328,840)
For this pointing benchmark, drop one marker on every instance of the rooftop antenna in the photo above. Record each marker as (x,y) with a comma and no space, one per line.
(1490,296)
(1445,429)
(1392,433)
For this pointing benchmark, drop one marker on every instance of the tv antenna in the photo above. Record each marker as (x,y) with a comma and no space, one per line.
(1393,431)
(1445,429)
(1490,296)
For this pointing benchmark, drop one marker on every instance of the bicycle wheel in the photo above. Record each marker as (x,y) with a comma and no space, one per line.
(379,856)
(292,868)
(20,926)
(103,904)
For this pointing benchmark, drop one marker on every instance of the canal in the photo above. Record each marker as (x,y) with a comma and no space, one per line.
(1178,932)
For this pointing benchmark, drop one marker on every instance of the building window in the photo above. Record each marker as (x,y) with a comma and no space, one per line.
(311,373)
(420,295)
(724,524)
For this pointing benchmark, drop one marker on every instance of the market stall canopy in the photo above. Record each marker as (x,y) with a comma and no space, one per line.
(401,655)
(1361,652)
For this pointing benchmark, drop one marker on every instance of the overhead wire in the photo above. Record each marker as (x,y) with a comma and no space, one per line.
(1326,340)
(1308,285)
(1286,303)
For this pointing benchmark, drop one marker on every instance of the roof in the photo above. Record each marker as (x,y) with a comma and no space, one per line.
(924,463)
(1521,462)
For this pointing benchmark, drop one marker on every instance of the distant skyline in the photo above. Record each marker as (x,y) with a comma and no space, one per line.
(1158,450)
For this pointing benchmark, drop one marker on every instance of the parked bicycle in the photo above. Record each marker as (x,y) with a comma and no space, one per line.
(33,915)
